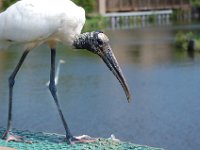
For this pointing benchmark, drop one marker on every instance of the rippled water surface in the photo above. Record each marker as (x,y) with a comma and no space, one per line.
(164,81)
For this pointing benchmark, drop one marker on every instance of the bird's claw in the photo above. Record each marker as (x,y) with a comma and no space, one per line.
(80,139)
(9,136)
(14,138)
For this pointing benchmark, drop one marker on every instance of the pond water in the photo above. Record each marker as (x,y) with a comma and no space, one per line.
(164,81)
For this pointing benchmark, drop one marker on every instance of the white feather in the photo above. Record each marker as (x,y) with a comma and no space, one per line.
(32,22)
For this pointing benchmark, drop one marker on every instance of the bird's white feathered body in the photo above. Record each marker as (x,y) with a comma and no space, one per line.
(33,22)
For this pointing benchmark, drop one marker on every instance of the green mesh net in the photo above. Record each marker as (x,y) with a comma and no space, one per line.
(46,141)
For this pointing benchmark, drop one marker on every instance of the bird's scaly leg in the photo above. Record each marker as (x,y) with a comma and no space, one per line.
(52,87)
(11,80)
(53,90)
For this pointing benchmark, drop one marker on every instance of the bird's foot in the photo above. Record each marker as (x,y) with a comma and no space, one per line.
(9,136)
(80,139)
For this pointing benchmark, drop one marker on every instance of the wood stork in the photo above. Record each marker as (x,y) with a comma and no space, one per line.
(34,22)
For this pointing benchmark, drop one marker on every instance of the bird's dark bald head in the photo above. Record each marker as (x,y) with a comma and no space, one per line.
(92,41)
(97,42)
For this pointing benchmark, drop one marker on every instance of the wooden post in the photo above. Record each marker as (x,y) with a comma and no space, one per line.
(102,7)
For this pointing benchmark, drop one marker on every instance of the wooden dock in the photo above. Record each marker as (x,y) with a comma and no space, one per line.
(141,5)
(108,6)
(129,20)
(134,13)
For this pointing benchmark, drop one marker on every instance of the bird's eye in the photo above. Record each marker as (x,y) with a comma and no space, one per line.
(100,42)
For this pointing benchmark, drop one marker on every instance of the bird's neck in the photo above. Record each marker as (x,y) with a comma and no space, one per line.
(82,41)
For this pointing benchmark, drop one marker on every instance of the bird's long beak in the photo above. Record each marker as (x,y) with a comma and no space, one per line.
(109,58)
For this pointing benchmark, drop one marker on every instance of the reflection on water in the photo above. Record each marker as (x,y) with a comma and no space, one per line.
(164,81)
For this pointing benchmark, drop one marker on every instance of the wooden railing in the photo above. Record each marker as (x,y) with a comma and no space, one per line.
(140,5)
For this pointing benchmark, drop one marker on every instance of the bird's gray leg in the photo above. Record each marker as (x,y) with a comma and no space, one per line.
(11,84)
(52,87)
(53,90)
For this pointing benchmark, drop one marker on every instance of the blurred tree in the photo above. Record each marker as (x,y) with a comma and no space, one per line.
(196,3)
(88,5)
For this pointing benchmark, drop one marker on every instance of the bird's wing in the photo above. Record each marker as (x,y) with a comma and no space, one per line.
(29,20)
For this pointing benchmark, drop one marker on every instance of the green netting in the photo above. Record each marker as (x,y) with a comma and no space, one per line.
(46,141)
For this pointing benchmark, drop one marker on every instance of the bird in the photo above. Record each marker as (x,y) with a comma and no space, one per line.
(30,23)
(57,72)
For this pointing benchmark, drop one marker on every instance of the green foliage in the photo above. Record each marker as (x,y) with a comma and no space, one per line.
(88,5)
(196,3)
(152,18)
(94,23)
(182,39)
(177,14)
(7,3)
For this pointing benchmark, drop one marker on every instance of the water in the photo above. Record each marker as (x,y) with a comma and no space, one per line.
(164,81)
